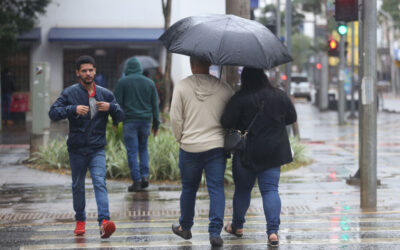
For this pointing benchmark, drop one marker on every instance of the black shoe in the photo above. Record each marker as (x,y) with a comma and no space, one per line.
(177,229)
(216,241)
(145,182)
(135,187)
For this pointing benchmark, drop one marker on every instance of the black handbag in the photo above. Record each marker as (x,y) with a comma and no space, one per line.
(235,140)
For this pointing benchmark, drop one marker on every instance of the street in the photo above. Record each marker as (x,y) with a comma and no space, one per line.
(319,210)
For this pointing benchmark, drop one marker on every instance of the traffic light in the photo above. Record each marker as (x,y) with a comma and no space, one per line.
(342,29)
(346,10)
(333,48)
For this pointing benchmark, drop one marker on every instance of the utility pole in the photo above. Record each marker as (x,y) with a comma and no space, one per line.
(288,38)
(239,8)
(355,179)
(278,34)
(367,120)
(40,102)
(323,91)
(288,67)
(316,57)
(352,104)
(341,93)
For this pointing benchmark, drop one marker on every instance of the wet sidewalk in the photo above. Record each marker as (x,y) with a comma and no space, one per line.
(319,210)
(391,103)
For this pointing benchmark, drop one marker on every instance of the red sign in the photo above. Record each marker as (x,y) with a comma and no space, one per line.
(20,102)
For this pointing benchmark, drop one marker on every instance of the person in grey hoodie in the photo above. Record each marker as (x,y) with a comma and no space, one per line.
(197,105)
(138,97)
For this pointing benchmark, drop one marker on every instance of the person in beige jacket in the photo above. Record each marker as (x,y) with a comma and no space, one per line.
(197,105)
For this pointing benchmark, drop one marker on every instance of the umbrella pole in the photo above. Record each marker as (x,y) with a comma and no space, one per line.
(220,72)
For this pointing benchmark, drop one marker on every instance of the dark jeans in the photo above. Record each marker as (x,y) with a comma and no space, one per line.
(6,106)
(268,181)
(136,135)
(96,162)
(191,166)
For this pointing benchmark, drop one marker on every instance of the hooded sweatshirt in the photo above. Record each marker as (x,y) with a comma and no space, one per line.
(137,95)
(197,105)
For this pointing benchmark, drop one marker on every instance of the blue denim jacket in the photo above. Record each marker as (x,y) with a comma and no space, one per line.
(85,132)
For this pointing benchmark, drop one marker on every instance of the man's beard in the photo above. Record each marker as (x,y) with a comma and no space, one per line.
(86,81)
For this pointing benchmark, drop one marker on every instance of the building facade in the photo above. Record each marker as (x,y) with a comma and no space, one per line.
(110,31)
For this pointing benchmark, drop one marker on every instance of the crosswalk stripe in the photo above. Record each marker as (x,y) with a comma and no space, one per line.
(227,242)
(4,223)
(127,225)
(247,231)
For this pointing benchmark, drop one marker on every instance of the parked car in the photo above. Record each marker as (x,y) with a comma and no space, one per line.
(301,87)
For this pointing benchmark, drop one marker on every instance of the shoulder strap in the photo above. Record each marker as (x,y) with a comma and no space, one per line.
(255,117)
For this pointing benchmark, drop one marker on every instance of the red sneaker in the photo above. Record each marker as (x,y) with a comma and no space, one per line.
(79,228)
(107,228)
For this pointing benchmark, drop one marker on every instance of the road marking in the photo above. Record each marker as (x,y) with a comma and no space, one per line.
(136,225)
(227,242)
(247,232)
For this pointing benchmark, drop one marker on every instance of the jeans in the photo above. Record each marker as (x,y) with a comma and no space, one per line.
(136,135)
(96,162)
(6,106)
(191,166)
(268,181)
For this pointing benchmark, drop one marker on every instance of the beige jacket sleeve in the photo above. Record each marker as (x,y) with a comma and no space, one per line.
(176,113)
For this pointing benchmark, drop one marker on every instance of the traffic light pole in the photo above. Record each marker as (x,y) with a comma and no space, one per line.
(368,110)
(341,93)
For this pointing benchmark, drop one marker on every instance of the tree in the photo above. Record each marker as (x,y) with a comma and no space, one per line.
(167,81)
(268,18)
(301,50)
(313,6)
(393,8)
(16,17)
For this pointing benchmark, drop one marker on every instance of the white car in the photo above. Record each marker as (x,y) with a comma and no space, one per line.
(301,87)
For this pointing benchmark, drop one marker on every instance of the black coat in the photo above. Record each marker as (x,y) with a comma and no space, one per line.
(85,133)
(267,142)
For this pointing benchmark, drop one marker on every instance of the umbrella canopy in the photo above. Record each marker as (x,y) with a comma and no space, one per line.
(147,62)
(226,40)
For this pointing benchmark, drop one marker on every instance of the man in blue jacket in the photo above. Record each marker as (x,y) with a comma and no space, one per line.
(137,95)
(87,106)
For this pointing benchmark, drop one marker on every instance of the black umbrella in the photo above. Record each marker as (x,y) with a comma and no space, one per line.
(226,40)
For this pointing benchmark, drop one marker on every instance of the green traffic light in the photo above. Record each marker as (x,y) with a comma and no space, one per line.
(342,29)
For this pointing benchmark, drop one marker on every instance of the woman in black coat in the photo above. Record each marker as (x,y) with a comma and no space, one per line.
(267,147)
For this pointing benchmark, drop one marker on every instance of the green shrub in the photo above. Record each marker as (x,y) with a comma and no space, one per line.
(54,155)
(163,152)
(300,157)
(164,155)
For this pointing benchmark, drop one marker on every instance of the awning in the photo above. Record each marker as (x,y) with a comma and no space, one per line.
(33,35)
(104,34)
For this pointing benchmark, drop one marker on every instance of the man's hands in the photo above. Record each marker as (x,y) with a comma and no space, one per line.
(103,106)
(82,109)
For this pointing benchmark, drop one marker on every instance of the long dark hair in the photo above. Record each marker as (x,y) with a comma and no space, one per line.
(254,79)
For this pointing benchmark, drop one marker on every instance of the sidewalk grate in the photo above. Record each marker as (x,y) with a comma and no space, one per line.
(138,213)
